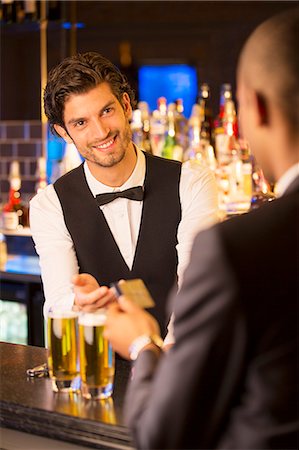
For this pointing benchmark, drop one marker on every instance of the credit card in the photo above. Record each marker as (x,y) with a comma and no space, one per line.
(135,290)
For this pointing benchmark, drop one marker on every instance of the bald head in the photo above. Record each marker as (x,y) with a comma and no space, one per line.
(269,63)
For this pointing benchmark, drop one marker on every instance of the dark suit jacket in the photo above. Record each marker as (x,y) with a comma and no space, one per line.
(231,380)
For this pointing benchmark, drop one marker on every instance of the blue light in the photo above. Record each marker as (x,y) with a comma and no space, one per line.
(68,25)
(55,150)
(172,81)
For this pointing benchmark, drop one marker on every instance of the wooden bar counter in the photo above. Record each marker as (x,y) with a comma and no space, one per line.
(30,405)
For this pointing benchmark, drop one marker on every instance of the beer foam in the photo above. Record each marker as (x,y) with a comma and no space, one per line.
(95,319)
(62,314)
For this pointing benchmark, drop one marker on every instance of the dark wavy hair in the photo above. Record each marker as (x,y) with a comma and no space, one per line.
(76,75)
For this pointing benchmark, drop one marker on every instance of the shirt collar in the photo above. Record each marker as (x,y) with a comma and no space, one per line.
(136,178)
(287,178)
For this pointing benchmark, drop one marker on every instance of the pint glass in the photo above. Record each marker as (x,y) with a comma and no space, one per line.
(96,356)
(63,350)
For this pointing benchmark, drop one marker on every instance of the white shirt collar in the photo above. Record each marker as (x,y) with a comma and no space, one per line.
(287,178)
(136,178)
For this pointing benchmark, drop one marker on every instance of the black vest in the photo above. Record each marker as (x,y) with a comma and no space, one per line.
(155,258)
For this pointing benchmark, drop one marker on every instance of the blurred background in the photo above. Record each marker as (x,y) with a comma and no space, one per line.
(166,48)
(204,35)
(180,57)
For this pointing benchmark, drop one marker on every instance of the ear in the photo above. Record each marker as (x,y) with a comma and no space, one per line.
(262,109)
(63,133)
(126,102)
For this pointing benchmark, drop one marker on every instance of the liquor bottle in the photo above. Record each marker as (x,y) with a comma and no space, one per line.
(238,173)
(226,129)
(41,174)
(145,119)
(136,127)
(194,125)
(19,11)
(261,191)
(158,127)
(230,119)
(206,113)
(12,11)
(180,125)
(8,11)
(225,94)
(31,10)
(169,143)
(171,149)
(3,251)
(15,213)
(200,150)
(247,167)
(206,128)
(239,178)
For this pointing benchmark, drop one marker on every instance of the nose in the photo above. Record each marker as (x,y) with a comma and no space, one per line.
(100,129)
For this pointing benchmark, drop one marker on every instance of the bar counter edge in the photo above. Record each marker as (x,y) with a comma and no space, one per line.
(29,405)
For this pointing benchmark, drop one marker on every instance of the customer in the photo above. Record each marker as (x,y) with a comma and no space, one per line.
(89,103)
(231,379)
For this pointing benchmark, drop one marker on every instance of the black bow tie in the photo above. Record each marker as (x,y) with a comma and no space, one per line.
(135,193)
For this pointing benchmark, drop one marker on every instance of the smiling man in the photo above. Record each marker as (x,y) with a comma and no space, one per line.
(97,123)
(123,213)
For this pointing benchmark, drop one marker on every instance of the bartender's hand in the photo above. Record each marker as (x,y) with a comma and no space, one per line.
(89,295)
(125,322)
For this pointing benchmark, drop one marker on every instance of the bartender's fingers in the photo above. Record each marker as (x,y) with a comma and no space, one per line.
(87,298)
(107,297)
(94,300)
(84,279)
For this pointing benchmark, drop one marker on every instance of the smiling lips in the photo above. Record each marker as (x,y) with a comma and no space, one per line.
(105,145)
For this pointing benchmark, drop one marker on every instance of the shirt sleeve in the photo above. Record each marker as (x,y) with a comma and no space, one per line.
(199,203)
(53,244)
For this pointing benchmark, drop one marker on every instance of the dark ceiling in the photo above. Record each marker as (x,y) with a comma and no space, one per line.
(207,35)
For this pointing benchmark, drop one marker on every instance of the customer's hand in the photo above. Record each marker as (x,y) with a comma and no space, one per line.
(125,322)
(89,295)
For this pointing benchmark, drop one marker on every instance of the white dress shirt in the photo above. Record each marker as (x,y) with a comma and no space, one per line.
(53,243)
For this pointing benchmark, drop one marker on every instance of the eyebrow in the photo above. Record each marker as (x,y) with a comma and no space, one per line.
(108,104)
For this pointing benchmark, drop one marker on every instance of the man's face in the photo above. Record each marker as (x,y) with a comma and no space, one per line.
(98,125)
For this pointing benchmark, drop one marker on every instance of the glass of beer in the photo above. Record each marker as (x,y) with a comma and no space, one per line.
(63,350)
(96,357)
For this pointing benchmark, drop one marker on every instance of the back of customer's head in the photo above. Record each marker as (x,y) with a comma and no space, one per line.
(270,59)
(269,66)
(77,75)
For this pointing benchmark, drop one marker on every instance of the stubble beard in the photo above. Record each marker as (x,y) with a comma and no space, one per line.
(111,159)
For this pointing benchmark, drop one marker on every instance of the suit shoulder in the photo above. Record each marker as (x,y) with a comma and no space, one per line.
(276,222)
(277,213)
